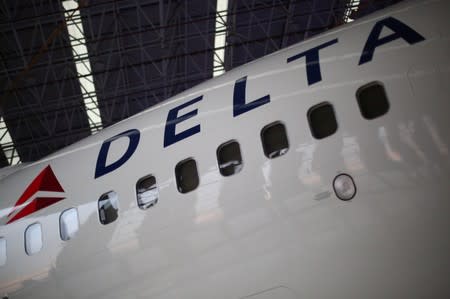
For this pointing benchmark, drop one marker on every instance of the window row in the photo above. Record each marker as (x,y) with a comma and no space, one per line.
(229,159)
(372,102)
(68,227)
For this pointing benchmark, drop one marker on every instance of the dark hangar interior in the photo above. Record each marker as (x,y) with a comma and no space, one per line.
(70,68)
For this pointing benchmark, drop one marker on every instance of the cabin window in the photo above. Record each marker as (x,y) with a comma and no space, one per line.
(108,207)
(147,192)
(229,158)
(322,120)
(68,224)
(2,251)
(33,238)
(372,100)
(274,140)
(187,175)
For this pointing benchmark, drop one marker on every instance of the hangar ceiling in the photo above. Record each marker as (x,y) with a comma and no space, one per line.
(70,68)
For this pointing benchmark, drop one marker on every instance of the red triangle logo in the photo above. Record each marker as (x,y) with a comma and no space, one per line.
(35,205)
(45,181)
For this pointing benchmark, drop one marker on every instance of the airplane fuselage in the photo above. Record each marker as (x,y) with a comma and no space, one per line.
(270,222)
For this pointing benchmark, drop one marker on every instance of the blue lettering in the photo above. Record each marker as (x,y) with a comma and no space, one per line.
(101,168)
(239,105)
(312,61)
(400,31)
(170,137)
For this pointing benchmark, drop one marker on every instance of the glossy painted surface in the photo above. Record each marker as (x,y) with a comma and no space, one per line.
(275,229)
(3,256)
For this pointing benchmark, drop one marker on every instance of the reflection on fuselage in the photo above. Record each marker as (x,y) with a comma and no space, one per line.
(207,206)
(351,154)
(305,173)
(436,137)
(391,153)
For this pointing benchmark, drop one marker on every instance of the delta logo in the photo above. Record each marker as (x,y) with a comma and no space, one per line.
(43,186)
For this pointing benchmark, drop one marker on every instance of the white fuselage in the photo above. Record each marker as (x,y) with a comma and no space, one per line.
(276,229)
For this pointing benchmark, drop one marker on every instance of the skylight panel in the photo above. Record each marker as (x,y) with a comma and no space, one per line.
(220,38)
(82,63)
